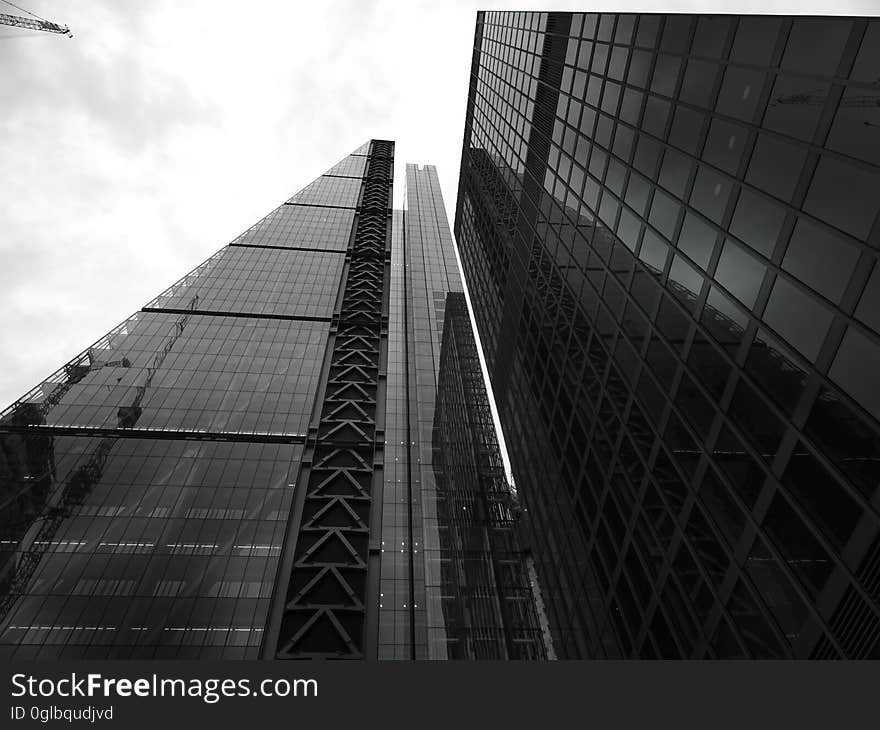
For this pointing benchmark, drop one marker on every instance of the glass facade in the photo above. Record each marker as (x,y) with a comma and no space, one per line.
(425,552)
(669,226)
(253,466)
(147,485)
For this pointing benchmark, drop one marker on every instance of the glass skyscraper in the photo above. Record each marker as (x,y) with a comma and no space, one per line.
(251,465)
(669,229)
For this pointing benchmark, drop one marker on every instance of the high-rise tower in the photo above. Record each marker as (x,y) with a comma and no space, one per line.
(243,468)
(669,228)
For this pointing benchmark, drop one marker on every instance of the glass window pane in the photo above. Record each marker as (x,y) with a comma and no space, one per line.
(845,196)
(796,106)
(856,127)
(757,222)
(664,213)
(687,125)
(857,370)
(675,172)
(755,40)
(697,240)
(815,45)
(821,495)
(710,36)
(740,91)
(869,305)
(806,557)
(710,194)
(698,82)
(799,318)
(740,273)
(820,259)
(775,166)
(724,145)
(868,58)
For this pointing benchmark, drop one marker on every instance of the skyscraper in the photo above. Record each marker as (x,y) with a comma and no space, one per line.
(245,467)
(669,228)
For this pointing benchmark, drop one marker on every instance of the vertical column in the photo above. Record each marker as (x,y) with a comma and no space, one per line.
(321,597)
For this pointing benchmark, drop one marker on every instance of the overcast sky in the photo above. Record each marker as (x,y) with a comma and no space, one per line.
(165,128)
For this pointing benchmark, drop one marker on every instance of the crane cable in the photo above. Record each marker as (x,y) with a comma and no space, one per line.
(18,7)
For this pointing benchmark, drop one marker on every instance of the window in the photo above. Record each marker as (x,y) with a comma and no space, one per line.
(788,115)
(710,194)
(712,369)
(711,36)
(845,196)
(639,68)
(868,310)
(775,166)
(697,240)
(656,116)
(740,91)
(664,213)
(868,59)
(757,222)
(687,127)
(755,40)
(699,82)
(822,260)
(653,251)
(757,422)
(815,45)
(855,128)
(665,75)
(857,370)
(724,510)
(806,557)
(675,172)
(686,282)
(739,273)
(821,495)
(724,145)
(799,318)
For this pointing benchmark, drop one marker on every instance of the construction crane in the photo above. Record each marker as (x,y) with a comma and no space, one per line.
(37,23)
